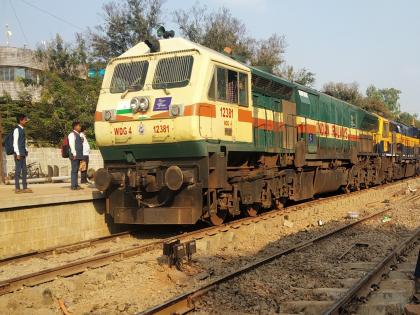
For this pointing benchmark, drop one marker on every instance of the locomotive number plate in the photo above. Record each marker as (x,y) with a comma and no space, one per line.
(161,130)
(226,112)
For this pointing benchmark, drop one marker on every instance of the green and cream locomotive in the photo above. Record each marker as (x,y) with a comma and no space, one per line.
(191,134)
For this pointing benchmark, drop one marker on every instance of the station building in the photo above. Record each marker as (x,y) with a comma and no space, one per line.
(19,72)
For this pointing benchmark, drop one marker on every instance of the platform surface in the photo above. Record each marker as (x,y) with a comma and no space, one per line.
(49,193)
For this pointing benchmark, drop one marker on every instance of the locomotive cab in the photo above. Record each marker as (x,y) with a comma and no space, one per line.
(160,115)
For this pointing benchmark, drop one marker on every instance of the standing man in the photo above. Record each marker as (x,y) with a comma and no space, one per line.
(19,148)
(76,154)
(86,152)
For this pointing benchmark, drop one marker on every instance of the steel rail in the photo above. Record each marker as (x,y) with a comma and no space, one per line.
(83,244)
(361,290)
(72,268)
(79,266)
(185,302)
(63,248)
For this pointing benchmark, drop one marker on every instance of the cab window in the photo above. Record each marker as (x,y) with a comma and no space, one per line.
(229,86)
(243,89)
(385,130)
(173,72)
(129,76)
(221,84)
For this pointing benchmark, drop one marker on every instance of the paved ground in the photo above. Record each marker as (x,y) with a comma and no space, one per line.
(49,193)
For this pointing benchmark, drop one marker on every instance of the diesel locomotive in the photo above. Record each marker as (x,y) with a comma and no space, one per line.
(190,134)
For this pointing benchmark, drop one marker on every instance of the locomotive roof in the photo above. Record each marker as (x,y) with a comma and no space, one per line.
(291,84)
(181,44)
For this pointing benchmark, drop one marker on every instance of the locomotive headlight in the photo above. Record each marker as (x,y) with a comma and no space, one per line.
(175,110)
(139,104)
(134,105)
(107,115)
(143,104)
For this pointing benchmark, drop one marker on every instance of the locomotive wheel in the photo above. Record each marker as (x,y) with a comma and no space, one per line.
(251,210)
(218,218)
(279,204)
(347,189)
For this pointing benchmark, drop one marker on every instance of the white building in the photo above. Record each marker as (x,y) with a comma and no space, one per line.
(17,65)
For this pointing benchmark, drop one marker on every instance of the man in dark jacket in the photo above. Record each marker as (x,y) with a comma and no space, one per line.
(20,152)
(76,154)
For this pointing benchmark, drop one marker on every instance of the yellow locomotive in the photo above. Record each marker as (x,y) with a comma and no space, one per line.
(188,133)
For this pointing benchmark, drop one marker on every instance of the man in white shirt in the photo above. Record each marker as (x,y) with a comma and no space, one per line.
(76,154)
(86,152)
(20,153)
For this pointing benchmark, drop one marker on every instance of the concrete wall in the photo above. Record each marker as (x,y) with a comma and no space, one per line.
(18,57)
(14,88)
(40,227)
(36,228)
(52,156)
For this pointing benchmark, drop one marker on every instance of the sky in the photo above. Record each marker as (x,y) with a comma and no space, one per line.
(366,41)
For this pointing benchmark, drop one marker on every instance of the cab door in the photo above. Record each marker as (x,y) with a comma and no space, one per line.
(230,92)
(290,131)
(226,103)
(205,119)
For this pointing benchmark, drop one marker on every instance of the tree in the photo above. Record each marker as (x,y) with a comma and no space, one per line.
(388,96)
(383,102)
(215,29)
(8,111)
(408,119)
(191,23)
(64,100)
(66,94)
(63,58)
(220,29)
(375,106)
(125,25)
(302,76)
(348,92)
(270,53)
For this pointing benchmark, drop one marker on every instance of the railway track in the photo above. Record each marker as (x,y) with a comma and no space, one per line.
(63,249)
(357,293)
(371,282)
(103,259)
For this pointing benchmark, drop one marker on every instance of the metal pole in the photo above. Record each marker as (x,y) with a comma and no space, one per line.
(1,153)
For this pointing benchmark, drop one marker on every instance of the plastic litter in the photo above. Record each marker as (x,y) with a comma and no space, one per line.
(352,214)
(386,219)
(411,189)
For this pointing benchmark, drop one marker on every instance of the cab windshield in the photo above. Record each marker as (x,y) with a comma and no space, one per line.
(129,76)
(173,72)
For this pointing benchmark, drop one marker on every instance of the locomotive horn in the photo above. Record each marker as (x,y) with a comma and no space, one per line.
(162,32)
(153,45)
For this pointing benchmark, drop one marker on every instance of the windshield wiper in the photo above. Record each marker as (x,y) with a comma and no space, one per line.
(131,88)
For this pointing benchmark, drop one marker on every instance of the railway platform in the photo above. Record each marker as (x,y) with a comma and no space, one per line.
(52,215)
(46,194)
